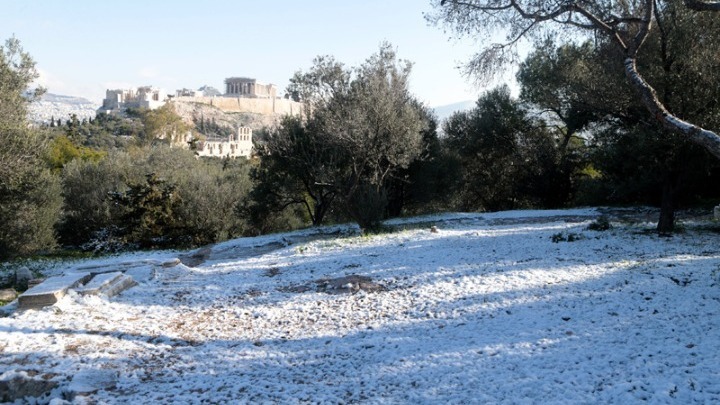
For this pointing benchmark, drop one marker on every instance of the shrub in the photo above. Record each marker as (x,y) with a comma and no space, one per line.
(600,224)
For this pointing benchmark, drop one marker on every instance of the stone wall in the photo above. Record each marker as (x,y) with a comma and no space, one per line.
(265,106)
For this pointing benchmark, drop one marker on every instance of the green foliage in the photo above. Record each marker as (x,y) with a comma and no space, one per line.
(62,151)
(297,167)
(362,129)
(634,160)
(505,159)
(112,204)
(209,196)
(145,212)
(164,123)
(29,194)
(212,128)
(422,187)
(17,72)
(86,189)
(28,213)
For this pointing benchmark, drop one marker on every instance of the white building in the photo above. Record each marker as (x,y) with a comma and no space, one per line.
(143,97)
(234,146)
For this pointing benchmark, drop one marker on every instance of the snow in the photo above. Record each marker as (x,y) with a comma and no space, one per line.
(488,309)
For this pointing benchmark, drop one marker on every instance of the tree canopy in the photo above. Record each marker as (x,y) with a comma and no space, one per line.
(362,126)
(627,25)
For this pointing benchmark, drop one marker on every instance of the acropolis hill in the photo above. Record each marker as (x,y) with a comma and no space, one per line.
(246,102)
(246,95)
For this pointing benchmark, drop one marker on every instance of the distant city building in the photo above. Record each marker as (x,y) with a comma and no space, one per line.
(143,97)
(234,146)
(248,88)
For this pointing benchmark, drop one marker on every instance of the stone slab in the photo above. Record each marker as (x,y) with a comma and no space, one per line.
(119,285)
(51,290)
(98,282)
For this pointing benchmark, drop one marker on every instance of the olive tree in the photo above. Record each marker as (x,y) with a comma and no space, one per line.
(361,127)
(29,194)
(627,25)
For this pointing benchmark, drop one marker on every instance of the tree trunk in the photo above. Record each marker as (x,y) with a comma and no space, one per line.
(703,137)
(396,198)
(666,223)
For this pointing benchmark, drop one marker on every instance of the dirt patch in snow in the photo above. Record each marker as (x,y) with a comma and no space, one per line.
(350,284)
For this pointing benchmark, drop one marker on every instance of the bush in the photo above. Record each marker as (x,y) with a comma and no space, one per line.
(600,224)
(162,197)
(570,237)
(30,199)
(28,215)
(86,190)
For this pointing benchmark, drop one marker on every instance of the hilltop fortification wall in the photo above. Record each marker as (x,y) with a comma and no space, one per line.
(265,106)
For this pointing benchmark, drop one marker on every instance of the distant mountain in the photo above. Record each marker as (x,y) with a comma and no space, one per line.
(56,106)
(443,112)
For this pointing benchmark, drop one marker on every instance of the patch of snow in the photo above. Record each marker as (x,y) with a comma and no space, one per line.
(483,311)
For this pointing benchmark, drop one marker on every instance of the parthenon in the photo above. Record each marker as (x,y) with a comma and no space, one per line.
(248,87)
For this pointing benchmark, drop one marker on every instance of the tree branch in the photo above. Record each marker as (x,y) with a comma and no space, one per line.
(699,5)
(708,139)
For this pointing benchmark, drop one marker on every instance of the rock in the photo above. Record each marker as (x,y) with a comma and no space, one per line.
(8,294)
(716,213)
(87,382)
(22,276)
(16,385)
(196,258)
(171,263)
(434,229)
(349,284)
(119,285)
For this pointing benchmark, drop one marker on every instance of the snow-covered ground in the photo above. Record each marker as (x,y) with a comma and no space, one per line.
(488,309)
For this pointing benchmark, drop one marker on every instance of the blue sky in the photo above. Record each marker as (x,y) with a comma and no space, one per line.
(83,47)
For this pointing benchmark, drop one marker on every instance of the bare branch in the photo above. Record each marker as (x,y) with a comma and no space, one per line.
(699,5)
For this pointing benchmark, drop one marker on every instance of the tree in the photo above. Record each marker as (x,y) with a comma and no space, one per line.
(164,123)
(626,24)
(29,194)
(297,167)
(571,83)
(585,81)
(62,150)
(361,127)
(378,126)
(506,160)
(421,187)
(146,212)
